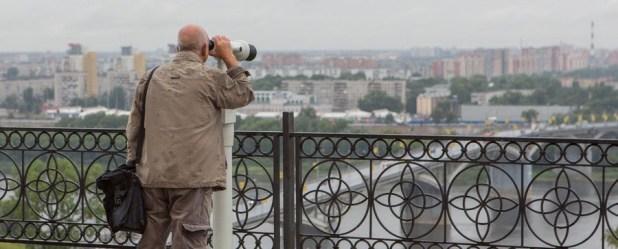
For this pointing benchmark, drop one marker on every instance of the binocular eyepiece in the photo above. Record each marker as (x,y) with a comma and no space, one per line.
(243,51)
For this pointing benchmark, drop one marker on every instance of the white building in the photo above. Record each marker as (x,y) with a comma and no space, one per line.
(483,98)
(276,101)
(343,95)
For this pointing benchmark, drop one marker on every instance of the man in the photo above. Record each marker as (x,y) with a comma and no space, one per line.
(183,159)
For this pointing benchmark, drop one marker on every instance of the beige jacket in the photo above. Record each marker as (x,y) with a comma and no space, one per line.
(183,146)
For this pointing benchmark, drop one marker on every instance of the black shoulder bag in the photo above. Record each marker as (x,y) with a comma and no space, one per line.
(123,203)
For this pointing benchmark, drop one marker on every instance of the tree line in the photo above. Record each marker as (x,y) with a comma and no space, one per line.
(29,103)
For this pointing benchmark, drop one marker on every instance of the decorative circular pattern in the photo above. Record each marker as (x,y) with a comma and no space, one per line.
(252,198)
(361,148)
(491,207)
(331,196)
(567,207)
(516,153)
(411,198)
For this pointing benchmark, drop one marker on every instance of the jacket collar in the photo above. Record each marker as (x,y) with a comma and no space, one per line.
(187,56)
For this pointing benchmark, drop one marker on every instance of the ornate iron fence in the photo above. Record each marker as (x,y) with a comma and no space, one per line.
(309,190)
(48,193)
(256,186)
(376,191)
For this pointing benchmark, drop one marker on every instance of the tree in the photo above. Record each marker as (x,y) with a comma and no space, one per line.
(509,98)
(48,93)
(610,238)
(12,73)
(319,77)
(539,97)
(389,119)
(351,76)
(85,102)
(443,112)
(97,120)
(116,98)
(308,113)
(268,83)
(11,102)
(31,104)
(379,100)
(529,115)
(258,124)
(464,87)
(307,121)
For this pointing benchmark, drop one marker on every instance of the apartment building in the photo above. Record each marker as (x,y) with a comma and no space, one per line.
(343,95)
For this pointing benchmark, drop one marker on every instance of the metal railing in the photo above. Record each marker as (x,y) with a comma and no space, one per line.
(312,190)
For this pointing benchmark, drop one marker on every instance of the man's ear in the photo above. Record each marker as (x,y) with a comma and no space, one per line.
(204,52)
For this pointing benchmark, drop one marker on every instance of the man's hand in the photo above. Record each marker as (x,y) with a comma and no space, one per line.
(223,51)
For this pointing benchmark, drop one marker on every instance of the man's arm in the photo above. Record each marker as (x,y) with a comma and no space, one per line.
(233,89)
(133,124)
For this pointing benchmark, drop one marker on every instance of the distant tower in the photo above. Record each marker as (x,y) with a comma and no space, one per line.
(592,57)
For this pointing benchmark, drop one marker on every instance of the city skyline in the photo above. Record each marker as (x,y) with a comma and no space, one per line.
(289,25)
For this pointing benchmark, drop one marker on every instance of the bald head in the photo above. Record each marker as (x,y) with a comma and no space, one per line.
(192,38)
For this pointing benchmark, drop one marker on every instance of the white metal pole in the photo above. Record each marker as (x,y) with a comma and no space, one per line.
(222,200)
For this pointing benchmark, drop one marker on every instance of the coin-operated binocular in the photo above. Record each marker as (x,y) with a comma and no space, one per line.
(243,51)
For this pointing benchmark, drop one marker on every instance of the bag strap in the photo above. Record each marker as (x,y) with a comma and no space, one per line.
(142,130)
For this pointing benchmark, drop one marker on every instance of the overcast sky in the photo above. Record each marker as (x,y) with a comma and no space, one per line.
(105,25)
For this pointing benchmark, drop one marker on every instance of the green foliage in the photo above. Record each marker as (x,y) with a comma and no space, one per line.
(379,100)
(97,120)
(116,99)
(530,115)
(48,93)
(307,121)
(443,112)
(389,119)
(308,113)
(11,102)
(356,129)
(388,131)
(319,77)
(267,83)
(12,246)
(258,124)
(595,73)
(28,103)
(597,101)
(510,98)
(464,87)
(31,104)
(351,76)
(12,73)
(547,91)
(85,102)
(611,240)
